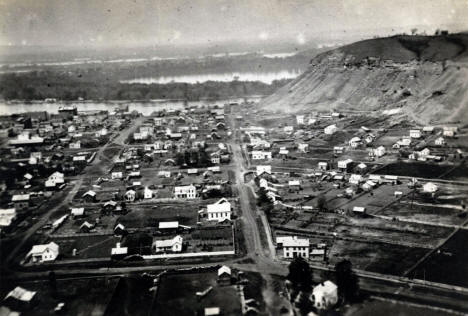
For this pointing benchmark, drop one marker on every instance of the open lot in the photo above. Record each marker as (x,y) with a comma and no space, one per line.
(176,295)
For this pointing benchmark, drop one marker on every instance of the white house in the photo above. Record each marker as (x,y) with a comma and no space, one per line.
(354,142)
(77,211)
(147,193)
(294,247)
(168,245)
(440,141)
(185,192)
(303,147)
(324,295)
(331,129)
(260,155)
(7,216)
(415,133)
(288,129)
(263,168)
(300,119)
(55,179)
(379,151)
(117,175)
(44,253)
(219,211)
(430,187)
(75,145)
(448,133)
(344,164)
(355,179)
(130,196)
(322,165)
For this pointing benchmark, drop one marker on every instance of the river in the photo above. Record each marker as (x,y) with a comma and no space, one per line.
(144,107)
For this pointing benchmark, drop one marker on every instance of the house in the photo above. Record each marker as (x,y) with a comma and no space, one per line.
(164,174)
(415,133)
(344,165)
(224,276)
(147,193)
(355,179)
(293,246)
(260,155)
(331,129)
(43,253)
(7,216)
(317,254)
(450,131)
(77,212)
(362,167)
(17,297)
(168,227)
(185,192)
(215,158)
(54,179)
(263,169)
(168,245)
(338,150)
(359,210)
(405,142)
(119,252)
(439,141)
(219,211)
(430,187)
(86,227)
(294,185)
(75,145)
(21,201)
(354,142)
(212,311)
(119,230)
(130,195)
(300,119)
(117,175)
(89,196)
(303,147)
(379,151)
(428,129)
(288,129)
(324,295)
(322,165)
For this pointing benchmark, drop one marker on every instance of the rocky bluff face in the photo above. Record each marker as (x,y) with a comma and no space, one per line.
(425,76)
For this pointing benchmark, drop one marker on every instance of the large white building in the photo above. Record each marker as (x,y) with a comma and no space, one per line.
(168,245)
(260,155)
(294,247)
(219,211)
(44,253)
(185,192)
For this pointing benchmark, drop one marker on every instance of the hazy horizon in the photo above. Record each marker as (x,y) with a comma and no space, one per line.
(87,23)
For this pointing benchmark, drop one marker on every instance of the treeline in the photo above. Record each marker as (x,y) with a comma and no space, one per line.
(91,85)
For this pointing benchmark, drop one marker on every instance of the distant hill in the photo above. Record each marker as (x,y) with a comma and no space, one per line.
(425,76)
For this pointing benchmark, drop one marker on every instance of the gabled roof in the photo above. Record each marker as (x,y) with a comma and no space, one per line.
(224,269)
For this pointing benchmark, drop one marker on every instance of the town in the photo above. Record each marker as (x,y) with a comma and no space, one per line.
(220,202)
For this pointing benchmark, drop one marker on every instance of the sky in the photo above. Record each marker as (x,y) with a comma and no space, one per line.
(173,22)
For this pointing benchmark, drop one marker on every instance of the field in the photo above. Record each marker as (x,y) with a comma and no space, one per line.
(449,264)
(176,295)
(81,297)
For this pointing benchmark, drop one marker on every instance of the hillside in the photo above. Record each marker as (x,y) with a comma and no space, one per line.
(425,76)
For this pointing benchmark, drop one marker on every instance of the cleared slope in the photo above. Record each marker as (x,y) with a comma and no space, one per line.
(427,76)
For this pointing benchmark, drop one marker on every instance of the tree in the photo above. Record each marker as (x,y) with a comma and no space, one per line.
(300,274)
(414,31)
(53,283)
(346,281)
(322,202)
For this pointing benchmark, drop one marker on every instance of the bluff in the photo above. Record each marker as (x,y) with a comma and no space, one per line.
(426,77)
